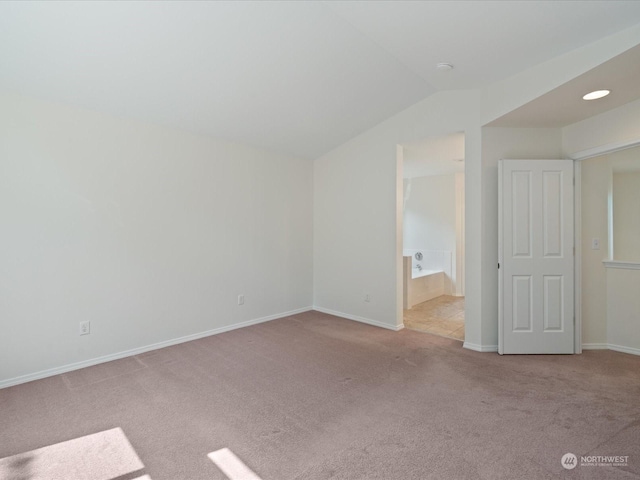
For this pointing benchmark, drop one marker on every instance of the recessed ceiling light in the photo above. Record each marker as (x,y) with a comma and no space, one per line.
(595,95)
(444,67)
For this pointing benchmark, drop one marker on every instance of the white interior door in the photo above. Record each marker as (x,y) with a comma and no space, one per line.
(536,257)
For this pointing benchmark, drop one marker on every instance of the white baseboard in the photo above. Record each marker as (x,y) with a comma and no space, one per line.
(595,346)
(137,351)
(610,346)
(585,346)
(480,348)
(359,319)
(620,348)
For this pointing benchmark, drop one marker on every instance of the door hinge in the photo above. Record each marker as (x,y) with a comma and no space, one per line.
(498,266)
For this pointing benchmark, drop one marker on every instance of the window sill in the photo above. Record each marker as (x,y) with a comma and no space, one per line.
(621,265)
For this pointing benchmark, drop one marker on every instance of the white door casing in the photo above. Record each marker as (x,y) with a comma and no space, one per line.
(536,257)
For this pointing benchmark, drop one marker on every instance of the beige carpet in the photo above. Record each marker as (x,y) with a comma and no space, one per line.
(100,456)
(316,397)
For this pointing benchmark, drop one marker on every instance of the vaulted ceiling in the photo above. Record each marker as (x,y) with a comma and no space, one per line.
(292,77)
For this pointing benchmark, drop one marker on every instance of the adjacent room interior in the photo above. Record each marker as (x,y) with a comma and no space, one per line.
(433,235)
(212,216)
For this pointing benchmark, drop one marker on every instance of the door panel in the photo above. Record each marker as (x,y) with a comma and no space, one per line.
(552,213)
(553,303)
(522,303)
(521,214)
(536,256)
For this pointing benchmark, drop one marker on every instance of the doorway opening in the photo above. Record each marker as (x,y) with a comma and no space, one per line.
(433,235)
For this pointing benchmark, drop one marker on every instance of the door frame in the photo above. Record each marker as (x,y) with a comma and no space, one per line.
(460,232)
(577,162)
(577,260)
(577,257)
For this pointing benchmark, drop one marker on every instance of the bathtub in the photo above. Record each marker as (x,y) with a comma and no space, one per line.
(426,275)
(423,273)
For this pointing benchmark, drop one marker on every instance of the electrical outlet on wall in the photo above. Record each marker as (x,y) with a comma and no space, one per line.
(595,244)
(85,328)
(367,297)
(240,299)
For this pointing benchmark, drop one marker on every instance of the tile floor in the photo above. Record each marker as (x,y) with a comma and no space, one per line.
(442,316)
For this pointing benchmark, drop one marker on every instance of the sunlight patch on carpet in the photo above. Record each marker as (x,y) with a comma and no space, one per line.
(101,456)
(231,465)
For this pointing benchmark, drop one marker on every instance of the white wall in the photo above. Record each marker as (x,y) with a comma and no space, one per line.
(356,212)
(429,221)
(497,144)
(147,232)
(460,226)
(623,310)
(626,214)
(595,189)
(430,214)
(617,126)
